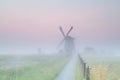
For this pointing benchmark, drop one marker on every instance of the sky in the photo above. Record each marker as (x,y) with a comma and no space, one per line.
(26,25)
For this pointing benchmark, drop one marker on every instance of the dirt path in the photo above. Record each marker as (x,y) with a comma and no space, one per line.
(69,71)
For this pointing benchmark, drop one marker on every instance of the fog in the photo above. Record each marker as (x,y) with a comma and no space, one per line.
(26,26)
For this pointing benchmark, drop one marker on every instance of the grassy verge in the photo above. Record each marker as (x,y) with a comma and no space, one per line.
(79,73)
(104,68)
(39,68)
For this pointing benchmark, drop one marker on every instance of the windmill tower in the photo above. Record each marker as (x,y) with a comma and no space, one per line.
(68,41)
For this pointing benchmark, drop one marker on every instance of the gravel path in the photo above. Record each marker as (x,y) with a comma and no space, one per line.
(69,71)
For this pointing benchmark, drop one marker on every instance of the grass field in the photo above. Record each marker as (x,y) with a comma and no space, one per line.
(104,68)
(35,67)
(47,67)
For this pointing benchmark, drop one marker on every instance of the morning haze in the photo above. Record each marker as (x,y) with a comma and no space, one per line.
(27,25)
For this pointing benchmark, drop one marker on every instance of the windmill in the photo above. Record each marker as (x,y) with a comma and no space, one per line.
(68,41)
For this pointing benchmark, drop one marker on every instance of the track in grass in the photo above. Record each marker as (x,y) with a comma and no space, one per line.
(69,71)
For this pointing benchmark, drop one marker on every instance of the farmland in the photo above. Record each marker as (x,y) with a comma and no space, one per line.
(32,67)
(103,68)
(48,67)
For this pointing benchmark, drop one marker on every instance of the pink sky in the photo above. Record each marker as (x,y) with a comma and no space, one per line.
(89,23)
(92,22)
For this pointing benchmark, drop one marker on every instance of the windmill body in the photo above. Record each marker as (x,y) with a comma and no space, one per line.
(68,41)
(69,44)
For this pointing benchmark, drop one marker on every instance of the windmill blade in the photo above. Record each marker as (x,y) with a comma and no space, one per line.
(69,31)
(60,43)
(62,32)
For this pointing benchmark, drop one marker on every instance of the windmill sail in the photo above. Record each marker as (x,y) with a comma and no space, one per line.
(68,41)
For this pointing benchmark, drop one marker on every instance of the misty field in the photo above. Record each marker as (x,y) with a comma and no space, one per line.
(32,67)
(103,68)
(48,67)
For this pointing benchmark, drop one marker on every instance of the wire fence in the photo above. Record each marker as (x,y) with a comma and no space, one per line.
(85,68)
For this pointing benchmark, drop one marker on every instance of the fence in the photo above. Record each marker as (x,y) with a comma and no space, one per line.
(85,69)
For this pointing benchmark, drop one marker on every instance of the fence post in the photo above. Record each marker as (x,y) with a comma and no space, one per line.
(88,73)
(84,69)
